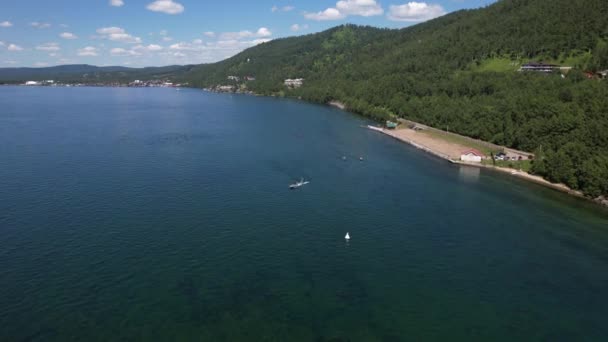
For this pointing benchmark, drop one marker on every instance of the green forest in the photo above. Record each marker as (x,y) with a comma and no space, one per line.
(442,73)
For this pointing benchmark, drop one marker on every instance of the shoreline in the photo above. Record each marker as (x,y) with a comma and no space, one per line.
(513,172)
(602,202)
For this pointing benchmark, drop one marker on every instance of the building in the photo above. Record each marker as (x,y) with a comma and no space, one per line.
(32,83)
(234,78)
(603,74)
(226,88)
(472,156)
(539,67)
(294,83)
(391,124)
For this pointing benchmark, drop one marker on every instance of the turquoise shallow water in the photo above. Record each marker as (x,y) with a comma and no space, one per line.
(164,215)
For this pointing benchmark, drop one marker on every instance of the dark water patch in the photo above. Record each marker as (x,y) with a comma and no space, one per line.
(164,215)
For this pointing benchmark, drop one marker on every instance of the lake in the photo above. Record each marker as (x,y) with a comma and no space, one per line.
(163,215)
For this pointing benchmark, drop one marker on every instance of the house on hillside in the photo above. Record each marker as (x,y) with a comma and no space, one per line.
(539,67)
(294,83)
(603,74)
(472,156)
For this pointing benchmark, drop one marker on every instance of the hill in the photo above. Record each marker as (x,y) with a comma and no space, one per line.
(447,73)
(87,73)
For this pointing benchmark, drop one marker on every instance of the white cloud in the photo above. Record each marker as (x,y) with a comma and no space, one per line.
(13,47)
(263,32)
(154,47)
(344,8)
(6,24)
(137,50)
(415,11)
(163,33)
(183,46)
(40,25)
(365,8)
(150,48)
(282,9)
(110,30)
(118,34)
(2,43)
(260,33)
(48,47)
(123,52)
(88,51)
(197,41)
(167,39)
(209,34)
(166,6)
(68,35)
(41,64)
(298,27)
(116,3)
(328,14)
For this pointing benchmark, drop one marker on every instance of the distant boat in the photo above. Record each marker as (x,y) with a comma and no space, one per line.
(347,237)
(298,184)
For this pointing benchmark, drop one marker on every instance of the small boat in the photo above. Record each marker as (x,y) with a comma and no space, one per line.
(360,158)
(347,237)
(298,184)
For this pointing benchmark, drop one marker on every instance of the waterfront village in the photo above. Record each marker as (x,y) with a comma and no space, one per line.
(238,84)
(135,83)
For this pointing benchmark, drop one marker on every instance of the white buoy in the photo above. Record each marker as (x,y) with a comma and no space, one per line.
(347,237)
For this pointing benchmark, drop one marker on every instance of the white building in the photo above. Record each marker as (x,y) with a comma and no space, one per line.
(225,88)
(32,83)
(294,83)
(472,156)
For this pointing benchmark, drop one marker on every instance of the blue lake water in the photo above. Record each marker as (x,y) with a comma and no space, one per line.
(164,215)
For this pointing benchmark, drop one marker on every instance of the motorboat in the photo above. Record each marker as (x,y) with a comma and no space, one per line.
(298,184)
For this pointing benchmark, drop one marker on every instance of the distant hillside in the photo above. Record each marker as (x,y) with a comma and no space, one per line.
(87,73)
(550,30)
(450,72)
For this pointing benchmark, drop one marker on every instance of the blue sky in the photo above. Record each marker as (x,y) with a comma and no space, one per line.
(162,32)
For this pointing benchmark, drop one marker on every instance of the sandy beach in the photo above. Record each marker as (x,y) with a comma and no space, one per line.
(451,152)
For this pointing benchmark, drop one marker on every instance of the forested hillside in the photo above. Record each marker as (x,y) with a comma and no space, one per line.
(430,73)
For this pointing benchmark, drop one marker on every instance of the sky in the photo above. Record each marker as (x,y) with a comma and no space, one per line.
(39,33)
